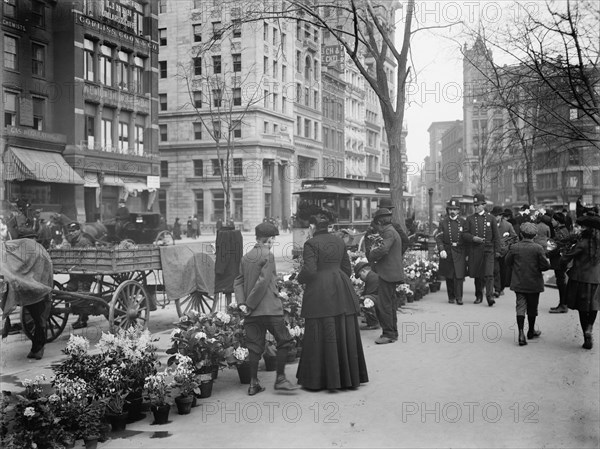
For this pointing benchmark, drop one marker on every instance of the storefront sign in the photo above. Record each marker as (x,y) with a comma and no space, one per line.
(332,55)
(153,182)
(115,33)
(35,134)
(12,24)
(116,98)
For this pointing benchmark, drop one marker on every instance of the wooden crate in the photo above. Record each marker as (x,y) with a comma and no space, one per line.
(105,260)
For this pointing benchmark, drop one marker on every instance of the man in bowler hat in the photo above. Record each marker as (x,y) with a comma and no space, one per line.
(452,252)
(481,234)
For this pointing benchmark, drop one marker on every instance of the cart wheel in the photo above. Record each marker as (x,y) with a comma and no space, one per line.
(197,301)
(129,306)
(164,238)
(57,319)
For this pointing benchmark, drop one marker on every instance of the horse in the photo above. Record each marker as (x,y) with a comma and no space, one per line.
(96,229)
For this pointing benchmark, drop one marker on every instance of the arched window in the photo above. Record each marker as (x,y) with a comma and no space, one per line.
(307,68)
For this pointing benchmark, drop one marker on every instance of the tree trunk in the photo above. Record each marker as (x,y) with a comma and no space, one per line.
(393,127)
(529,181)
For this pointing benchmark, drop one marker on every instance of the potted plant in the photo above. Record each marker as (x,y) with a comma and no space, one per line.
(184,379)
(114,392)
(158,389)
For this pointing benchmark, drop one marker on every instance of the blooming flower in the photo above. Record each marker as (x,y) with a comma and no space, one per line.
(199,335)
(284,295)
(29,411)
(53,398)
(224,317)
(368,303)
(241,353)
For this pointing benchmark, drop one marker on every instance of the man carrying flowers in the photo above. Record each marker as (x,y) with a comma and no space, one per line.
(452,252)
(256,293)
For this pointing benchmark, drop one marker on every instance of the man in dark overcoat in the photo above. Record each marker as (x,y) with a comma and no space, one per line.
(452,252)
(481,234)
(387,262)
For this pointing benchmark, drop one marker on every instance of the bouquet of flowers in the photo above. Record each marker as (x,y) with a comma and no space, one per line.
(79,364)
(157,388)
(113,389)
(291,292)
(375,240)
(184,378)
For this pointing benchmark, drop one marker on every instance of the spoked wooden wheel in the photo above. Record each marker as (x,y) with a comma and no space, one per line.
(164,238)
(197,301)
(129,306)
(57,319)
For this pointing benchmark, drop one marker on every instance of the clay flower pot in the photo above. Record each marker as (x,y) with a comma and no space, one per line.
(184,404)
(161,413)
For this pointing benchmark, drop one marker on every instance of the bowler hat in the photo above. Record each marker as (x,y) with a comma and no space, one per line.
(382,212)
(452,204)
(507,213)
(479,198)
(359,266)
(386,203)
(589,221)
(497,210)
(266,229)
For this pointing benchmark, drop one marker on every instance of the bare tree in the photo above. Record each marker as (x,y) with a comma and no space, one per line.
(221,101)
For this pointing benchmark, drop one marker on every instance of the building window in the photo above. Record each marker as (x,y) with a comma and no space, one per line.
(284,73)
(237,62)
(197,131)
(316,99)
(164,169)
(39,112)
(238,167)
(265,32)
(283,40)
(198,167)
(306,97)
(123,71)
(123,137)
(275,128)
(275,72)
(217,63)
(162,129)
(89,131)
(106,137)
(10,51)
(88,60)
(275,101)
(299,125)
(217,165)
(274,36)
(237,128)
(162,98)
(267,204)
(10,109)
(237,28)
(218,199)
(265,65)
(238,204)
(298,61)
(197,99)
(162,6)
(138,74)
(266,98)
(162,68)
(265,127)
(237,96)
(283,105)
(106,65)
(316,131)
(217,32)
(139,140)
(38,13)
(197,4)
(197,32)
(199,199)
(197,66)
(307,69)
(10,8)
(298,92)
(306,128)
(217,129)
(217,98)
(162,36)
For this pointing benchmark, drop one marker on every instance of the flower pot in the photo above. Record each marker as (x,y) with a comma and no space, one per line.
(206,389)
(161,413)
(118,422)
(133,405)
(91,442)
(410,298)
(270,362)
(184,404)
(418,295)
(435,286)
(243,370)
(69,444)
(215,372)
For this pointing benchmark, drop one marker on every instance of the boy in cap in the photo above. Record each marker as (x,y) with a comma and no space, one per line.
(450,245)
(508,236)
(363,271)
(257,295)
(527,260)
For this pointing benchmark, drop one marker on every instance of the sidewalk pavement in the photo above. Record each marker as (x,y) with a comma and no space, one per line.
(455,378)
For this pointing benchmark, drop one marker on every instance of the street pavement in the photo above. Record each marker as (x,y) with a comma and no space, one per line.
(455,378)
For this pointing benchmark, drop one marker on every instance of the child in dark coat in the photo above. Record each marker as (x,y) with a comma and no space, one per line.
(527,260)
(363,271)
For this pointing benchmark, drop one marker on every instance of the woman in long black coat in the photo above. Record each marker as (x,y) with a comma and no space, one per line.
(332,355)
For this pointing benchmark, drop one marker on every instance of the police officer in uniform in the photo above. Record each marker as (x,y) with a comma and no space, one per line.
(451,248)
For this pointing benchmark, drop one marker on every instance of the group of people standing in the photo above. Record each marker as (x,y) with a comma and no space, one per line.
(499,250)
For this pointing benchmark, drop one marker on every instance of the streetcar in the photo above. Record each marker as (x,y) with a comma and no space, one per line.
(353,203)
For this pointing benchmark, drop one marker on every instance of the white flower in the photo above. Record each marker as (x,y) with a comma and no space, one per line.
(241,353)
(53,398)
(29,411)
(284,295)
(286,277)
(199,335)
(77,345)
(368,303)
(224,317)
(233,304)
(27,383)
(175,333)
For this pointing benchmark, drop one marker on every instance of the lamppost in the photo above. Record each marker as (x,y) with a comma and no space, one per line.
(430,239)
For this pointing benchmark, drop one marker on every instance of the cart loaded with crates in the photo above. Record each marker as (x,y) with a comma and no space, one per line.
(122,283)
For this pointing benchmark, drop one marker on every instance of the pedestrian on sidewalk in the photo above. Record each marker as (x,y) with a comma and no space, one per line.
(257,296)
(583,293)
(386,260)
(332,353)
(508,236)
(527,260)
(481,234)
(363,271)
(561,235)
(450,245)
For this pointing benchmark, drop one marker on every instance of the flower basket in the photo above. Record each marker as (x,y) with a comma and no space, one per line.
(184,404)
(161,413)
(243,370)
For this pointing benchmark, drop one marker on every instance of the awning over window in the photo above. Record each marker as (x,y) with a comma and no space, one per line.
(138,186)
(112,179)
(90,179)
(21,164)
